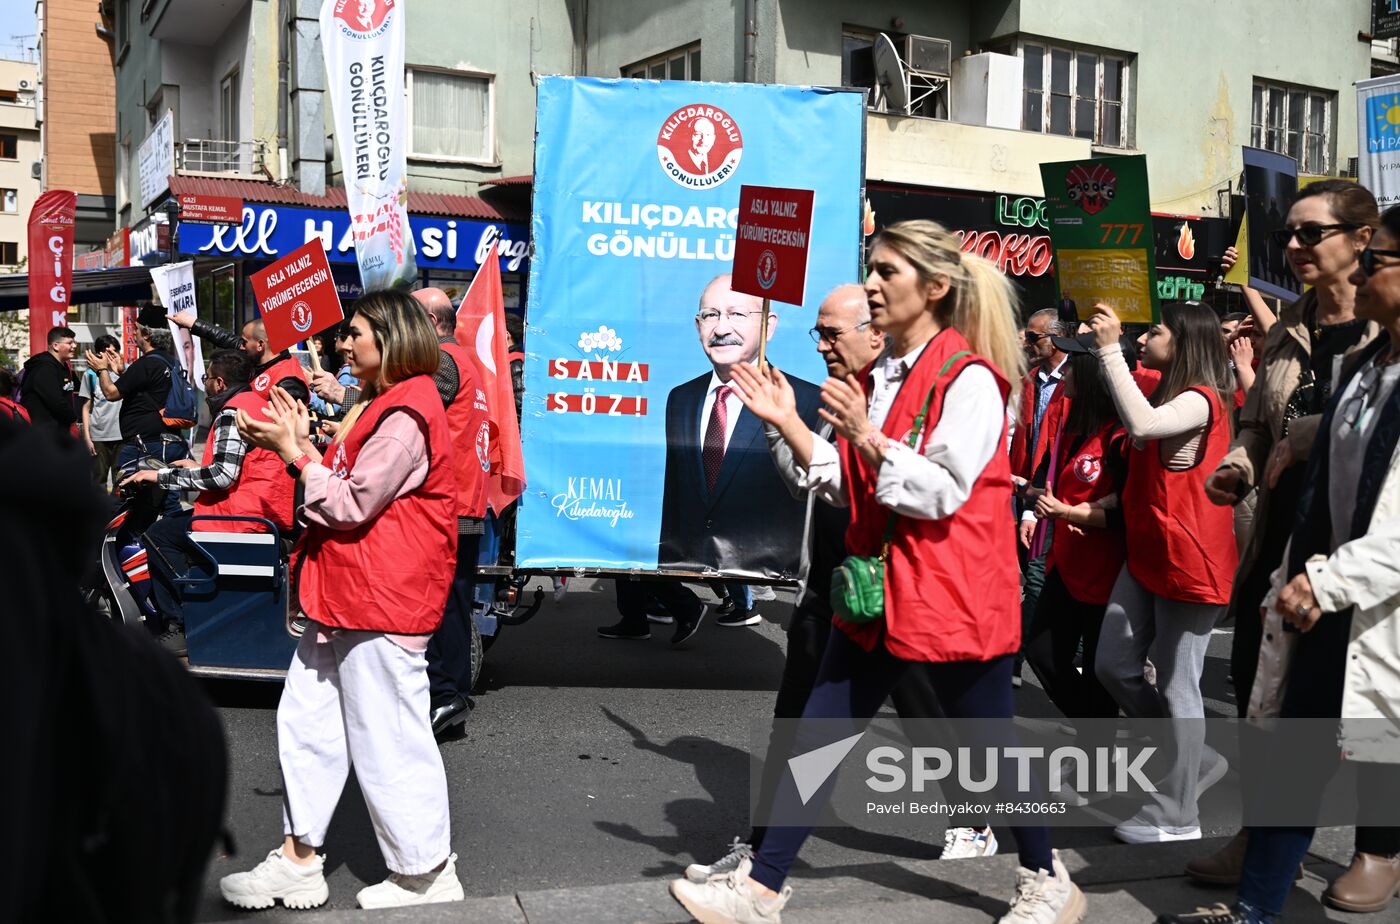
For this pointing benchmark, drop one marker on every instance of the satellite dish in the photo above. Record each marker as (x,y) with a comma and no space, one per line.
(890,75)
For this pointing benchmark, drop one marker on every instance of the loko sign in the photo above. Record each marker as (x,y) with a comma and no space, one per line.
(770,255)
(297,297)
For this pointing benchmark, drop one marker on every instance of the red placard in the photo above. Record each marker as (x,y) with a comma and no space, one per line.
(211,210)
(297,296)
(770,251)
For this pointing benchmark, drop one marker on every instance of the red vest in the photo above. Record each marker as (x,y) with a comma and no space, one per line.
(469,423)
(13,411)
(1180,545)
(952,590)
(288,368)
(390,574)
(1088,560)
(263,489)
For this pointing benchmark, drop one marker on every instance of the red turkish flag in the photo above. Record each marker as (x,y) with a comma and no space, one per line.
(481,330)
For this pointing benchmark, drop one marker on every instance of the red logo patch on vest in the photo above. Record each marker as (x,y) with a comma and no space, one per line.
(483,446)
(699,146)
(339,463)
(262,383)
(1087,469)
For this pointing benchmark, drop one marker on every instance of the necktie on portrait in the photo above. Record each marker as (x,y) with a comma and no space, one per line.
(713,452)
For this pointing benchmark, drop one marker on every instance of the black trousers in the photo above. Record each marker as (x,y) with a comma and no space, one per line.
(450,648)
(1061,622)
(914,699)
(633,597)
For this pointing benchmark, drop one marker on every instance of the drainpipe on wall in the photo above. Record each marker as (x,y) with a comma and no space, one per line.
(283,38)
(750,40)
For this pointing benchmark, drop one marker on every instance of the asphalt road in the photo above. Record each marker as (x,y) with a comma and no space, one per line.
(590,762)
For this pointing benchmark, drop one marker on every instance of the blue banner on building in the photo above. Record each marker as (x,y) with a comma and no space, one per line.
(269,232)
(636,456)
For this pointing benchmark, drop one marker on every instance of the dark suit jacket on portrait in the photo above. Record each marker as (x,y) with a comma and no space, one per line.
(750,523)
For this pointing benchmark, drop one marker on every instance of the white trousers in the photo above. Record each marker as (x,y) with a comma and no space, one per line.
(361,699)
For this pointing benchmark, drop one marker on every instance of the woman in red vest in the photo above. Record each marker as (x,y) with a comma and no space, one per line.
(922,449)
(1181,552)
(372,572)
(1078,492)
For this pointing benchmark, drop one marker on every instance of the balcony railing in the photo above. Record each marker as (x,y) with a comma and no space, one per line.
(212,157)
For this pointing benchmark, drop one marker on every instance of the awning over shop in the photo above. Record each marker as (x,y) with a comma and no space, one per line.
(124,284)
(419,203)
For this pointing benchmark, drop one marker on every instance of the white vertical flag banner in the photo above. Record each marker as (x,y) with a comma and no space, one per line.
(363,44)
(1378,137)
(174,284)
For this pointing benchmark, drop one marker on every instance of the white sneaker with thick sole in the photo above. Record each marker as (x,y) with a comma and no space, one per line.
(763,592)
(1045,899)
(1136,831)
(968,843)
(425,889)
(738,853)
(277,878)
(729,900)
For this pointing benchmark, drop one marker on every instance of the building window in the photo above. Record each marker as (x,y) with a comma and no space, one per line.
(453,116)
(9,147)
(1295,121)
(681,64)
(9,201)
(1077,92)
(228,107)
(9,96)
(857,58)
(9,253)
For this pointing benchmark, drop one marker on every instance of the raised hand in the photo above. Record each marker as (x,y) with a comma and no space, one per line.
(768,397)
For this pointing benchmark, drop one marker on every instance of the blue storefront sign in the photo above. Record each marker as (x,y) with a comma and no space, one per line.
(633,330)
(269,232)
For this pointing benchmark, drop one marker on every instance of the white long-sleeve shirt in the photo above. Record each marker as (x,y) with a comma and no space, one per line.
(931,485)
(1180,424)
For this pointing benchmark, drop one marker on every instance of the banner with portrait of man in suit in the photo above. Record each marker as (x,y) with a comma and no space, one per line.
(638,454)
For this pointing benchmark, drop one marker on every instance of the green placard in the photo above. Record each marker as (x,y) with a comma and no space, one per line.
(1101,228)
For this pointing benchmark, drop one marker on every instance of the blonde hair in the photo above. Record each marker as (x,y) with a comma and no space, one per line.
(981,303)
(407,342)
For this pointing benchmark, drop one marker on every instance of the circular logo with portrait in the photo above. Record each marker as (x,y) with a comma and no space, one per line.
(483,446)
(700,146)
(767,269)
(1087,469)
(262,383)
(300,314)
(340,462)
(362,18)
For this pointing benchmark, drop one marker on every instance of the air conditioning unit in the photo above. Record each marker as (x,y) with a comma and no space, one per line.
(26,85)
(36,170)
(927,55)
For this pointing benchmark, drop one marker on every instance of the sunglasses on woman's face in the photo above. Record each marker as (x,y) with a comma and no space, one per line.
(1367,259)
(1308,235)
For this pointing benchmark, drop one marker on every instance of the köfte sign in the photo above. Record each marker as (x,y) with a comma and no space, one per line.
(770,256)
(297,297)
(267,232)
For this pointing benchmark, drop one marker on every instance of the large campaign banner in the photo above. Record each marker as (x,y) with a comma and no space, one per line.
(363,44)
(637,455)
(1378,137)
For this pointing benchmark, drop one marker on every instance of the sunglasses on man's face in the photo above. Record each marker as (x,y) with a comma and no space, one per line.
(1308,235)
(1367,259)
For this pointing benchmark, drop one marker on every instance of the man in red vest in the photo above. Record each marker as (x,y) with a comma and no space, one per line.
(232,478)
(269,368)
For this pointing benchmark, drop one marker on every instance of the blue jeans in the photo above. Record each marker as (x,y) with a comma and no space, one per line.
(739,592)
(167,450)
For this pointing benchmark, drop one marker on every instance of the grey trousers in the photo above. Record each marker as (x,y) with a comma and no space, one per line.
(1138,625)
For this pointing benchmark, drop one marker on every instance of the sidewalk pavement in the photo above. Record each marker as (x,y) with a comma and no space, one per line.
(1122,884)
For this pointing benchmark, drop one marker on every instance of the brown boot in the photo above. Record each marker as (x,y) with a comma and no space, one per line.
(1367,885)
(1222,867)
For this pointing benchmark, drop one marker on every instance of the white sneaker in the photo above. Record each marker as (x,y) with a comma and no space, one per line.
(729,900)
(1136,831)
(425,889)
(763,592)
(277,877)
(738,852)
(967,843)
(1045,899)
(1212,774)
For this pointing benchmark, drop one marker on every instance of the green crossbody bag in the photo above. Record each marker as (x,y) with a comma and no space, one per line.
(858,583)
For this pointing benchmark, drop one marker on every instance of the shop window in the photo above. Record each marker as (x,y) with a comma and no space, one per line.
(680,64)
(9,253)
(9,201)
(452,115)
(9,146)
(1296,121)
(1079,92)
